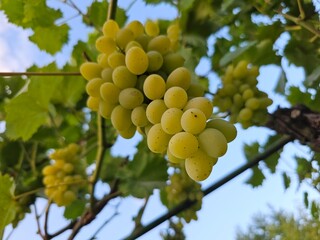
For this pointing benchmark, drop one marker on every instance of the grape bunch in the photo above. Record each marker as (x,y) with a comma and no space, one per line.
(180,189)
(240,96)
(64,178)
(140,83)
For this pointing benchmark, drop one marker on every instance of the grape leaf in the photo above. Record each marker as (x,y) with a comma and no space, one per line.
(50,39)
(8,207)
(24,116)
(272,161)
(256,178)
(286,180)
(13,10)
(75,209)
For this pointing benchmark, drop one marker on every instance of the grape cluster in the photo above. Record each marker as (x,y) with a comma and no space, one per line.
(140,83)
(240,96)
(180,189)
(64,178)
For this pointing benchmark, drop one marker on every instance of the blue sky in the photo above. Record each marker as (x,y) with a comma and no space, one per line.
(224,210)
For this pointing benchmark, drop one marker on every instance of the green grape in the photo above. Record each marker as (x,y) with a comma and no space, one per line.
(109,92)
(102,60)
(245,114)
(171,61)
(172,158)
(121,118)
(106,74)
(143,40)
(68,197)
(110,28)
(202,103)
(157,139)
(265,102)
(193,121)
(106,45)
(254,72)
(155,110)
(199,166)
(238,100)
(93,87)
(180,77)
(49,170)
(183,145)
(129,132)
(136,27)
(213,142)
(90,70)
(154,87)
(123,37)
(116,59)
(130,98)
(195,90)
(225,127)
(252,103)
(140,82)
(171,120)
(175,97)
(68,168)
(105,109)
(136,60)
(123,78)
(155,61)
(241,69)
(247,94)
(173,31)
(230,89)
(48,180)
(93,103)
(151,28)
(132,44)
(160,44)
(139,116)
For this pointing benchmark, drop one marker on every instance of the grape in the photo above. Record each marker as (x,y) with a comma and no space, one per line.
(201,103)
(183,145)
(172,61)
(93,103)
(49,170)
(136,27)
(68,197)
(106,45)
(175,97)
(225,127)
(143,40)
(172,158)
(102,60)
(123,37)
(160,44)
(121,118)
(245,114)
(180,77)
(93,87)
(140,82)
(106,74)
(265,102)
(252,103)
(155,61)
(129,132)
(154,87)
(116,59)
(136,60)
(155,110)
(139,117)
(151,28)
(105,109)
(247,94)
(68,168)
(157,139)
(212,142)
(109,92)
(199,166)
(90,70)
(132,44)
(110,28)
(195,90)
(123,78)
(130,98)
(193,121)
(173,32)
(240,71)
(171,120)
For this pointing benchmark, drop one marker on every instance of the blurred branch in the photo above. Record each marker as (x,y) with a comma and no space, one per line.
(8,74)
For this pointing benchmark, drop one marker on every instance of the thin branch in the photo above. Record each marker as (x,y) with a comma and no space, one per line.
(8,74)
(302,13)
(186,204)
(138,218)
(37,221)
(46,219)
(112,9)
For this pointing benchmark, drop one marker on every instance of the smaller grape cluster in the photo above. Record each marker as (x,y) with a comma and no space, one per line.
(63,179)
(240,96)
(180,189)
(140,83)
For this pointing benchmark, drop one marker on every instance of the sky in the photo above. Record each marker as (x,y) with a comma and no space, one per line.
(225,210)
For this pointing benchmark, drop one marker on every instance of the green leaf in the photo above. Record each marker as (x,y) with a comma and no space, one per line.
(256,178)
(286,180)
(281,84)
(24,116)
(14,10)
(251,151)
(315,210)
(186,4)
(75,209)
(272,161)
(230,56)
(8,207)
(50,39)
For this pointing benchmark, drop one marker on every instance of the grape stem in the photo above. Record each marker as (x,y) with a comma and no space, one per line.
(188,203)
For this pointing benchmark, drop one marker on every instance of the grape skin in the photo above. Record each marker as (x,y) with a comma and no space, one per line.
(175,97)
(193,121)
(154,87)
(212,142)
(157,139)
(183,145)
(171,120)
(136,60)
